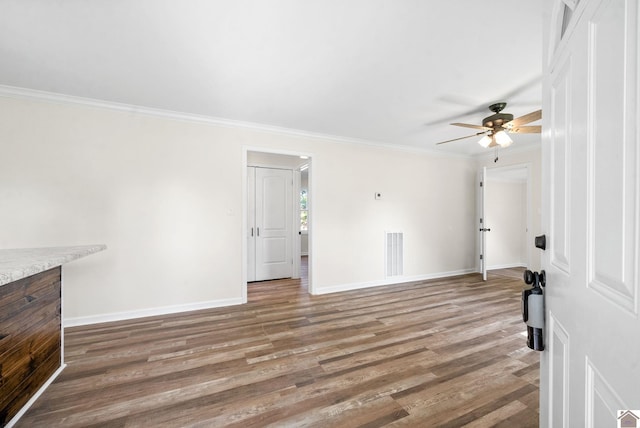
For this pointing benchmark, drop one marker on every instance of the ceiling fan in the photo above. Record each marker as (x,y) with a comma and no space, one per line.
(496,127)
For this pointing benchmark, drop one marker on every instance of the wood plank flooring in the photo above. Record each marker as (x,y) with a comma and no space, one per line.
(515,272)
(439,353)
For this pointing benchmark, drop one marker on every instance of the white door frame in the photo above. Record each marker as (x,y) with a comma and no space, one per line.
(244,231)
(297,250)
(529,232)
(481,222)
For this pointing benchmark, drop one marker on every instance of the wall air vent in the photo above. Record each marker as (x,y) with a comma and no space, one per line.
(393,254)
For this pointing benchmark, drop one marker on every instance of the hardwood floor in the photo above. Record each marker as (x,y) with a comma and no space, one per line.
(515,273)
(445,353)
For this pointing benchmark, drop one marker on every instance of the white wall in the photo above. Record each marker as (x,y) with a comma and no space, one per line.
(430,199)
(166,197)
(506,216)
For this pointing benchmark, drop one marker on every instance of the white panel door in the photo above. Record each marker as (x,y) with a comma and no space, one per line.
(251,224)
(590,368)
(274,223)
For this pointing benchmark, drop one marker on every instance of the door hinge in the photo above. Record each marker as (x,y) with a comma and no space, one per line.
(480,256)
(480,221)
(481,184)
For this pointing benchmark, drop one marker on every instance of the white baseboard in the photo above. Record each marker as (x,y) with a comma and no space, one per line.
(121,316)
(389,281)
(164,310)
(33,399)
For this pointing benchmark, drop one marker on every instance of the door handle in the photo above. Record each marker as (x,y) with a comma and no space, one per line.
(252,231)
(485,229)
(258,230)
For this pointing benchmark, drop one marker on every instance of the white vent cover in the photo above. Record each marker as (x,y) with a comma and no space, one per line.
(393,254)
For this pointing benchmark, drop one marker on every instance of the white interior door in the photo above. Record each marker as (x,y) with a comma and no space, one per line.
(251,224)
(274,223)
(591,366)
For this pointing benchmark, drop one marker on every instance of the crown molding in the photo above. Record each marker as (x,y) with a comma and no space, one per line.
(53,97)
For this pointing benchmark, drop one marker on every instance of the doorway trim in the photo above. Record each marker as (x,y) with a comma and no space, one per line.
(244,230)
(529,233)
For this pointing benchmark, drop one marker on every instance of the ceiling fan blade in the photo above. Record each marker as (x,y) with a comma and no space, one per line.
(531,117)
(535,129)
(467,125)
(482,106)
(529,84)
(462,138)
(456,116)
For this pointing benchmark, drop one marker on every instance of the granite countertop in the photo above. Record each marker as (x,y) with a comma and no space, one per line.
(20,263)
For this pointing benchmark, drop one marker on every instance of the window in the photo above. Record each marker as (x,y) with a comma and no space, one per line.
(304,210)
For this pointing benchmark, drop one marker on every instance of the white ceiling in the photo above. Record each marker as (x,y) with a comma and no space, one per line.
(387,71)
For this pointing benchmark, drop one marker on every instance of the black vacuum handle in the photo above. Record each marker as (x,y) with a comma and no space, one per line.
(535,278)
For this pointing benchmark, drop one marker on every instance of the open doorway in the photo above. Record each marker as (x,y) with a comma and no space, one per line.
(507,216)
(277,223)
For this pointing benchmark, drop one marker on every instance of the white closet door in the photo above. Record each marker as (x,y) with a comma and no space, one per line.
(273,224)
(251,224)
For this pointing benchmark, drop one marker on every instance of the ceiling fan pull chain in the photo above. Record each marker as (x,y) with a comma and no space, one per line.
(496,158)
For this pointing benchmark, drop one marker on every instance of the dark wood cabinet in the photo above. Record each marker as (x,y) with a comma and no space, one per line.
(30,338)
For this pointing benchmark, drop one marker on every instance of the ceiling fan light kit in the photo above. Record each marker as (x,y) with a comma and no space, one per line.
(500,138)
(496,127)
(485,141)
(503,139)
